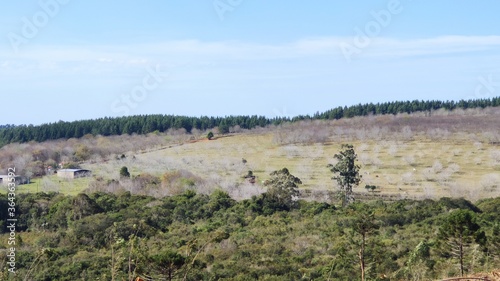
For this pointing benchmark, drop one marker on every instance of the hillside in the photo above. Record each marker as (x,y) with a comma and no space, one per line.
(416,156)
(144,124)
(187,212)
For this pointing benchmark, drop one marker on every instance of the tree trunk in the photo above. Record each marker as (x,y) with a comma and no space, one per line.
(461,256)
(130,276)
(362,258)
(112,263)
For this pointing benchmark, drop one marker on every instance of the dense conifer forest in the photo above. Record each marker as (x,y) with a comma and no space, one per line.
(144,124)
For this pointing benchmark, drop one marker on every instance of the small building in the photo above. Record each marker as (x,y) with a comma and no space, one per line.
(5,180)
(73,173)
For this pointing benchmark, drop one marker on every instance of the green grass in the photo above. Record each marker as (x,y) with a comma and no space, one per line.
(53,183)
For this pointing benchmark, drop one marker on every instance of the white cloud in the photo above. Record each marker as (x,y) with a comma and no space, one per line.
(432,46)
(121,57)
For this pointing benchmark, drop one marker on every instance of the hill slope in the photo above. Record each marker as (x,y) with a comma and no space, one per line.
(405,156)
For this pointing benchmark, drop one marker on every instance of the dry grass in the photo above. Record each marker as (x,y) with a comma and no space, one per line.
(416,168)
(454,154)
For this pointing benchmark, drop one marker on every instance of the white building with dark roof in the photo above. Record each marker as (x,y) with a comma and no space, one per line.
(73,173)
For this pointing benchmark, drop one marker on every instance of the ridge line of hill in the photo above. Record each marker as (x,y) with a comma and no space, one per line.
(144,124)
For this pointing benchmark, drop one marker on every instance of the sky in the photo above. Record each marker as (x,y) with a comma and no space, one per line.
(71,60)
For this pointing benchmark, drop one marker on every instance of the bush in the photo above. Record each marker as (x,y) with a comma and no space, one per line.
(210,136)
(124,173)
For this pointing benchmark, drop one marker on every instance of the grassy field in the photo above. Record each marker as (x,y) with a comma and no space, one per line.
(54,184)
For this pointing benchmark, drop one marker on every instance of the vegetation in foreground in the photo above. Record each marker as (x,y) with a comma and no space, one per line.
(191,236)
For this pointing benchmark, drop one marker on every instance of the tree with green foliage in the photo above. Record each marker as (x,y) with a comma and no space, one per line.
(283,188)
(82,153)
(195,248)
(346,173)
(363,224)
(494,244)
(219,200)
(224,127)
(124,173)
(84,206)
(458,232)
(210,135)
(371,188)
(167,264)
(418,262)
(106,236)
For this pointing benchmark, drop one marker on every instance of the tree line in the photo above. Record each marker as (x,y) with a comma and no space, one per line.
(404,107)
(144,124)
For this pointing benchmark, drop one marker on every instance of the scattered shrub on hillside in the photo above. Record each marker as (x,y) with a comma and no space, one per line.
(82,153)
(495,156)
(124,173)
(490,182)
(179,181)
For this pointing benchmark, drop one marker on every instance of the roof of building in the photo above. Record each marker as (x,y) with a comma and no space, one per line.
(73,170)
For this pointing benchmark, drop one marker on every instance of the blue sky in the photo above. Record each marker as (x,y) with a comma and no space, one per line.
(70,60)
